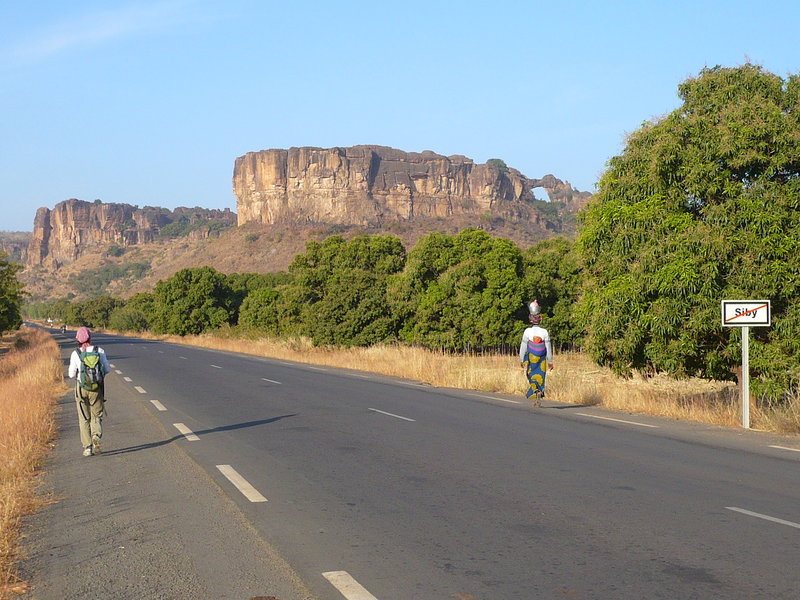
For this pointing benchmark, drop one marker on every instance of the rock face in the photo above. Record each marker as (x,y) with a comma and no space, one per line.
(74,227)
(562,192)
(15,245)
(374,185)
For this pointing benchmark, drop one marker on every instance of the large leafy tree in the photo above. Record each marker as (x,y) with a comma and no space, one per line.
(459,292)
(10,295)
(192,301)
(553,276)
(702,205)
(338,293)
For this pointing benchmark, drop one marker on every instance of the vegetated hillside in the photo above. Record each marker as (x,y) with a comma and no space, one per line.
(250,248)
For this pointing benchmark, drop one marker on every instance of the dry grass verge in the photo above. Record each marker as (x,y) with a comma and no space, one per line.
(30,383)
(574,380)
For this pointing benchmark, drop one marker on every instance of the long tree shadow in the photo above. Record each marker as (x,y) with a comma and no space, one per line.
(152,445)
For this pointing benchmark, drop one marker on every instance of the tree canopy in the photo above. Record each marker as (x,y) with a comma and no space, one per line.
(702,205)
(10,295)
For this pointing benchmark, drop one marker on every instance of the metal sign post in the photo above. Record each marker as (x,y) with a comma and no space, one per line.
(746,314)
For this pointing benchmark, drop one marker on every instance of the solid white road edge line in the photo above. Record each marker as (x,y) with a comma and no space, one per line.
(271,380)
(241,484)
(785,448)
(347,586)
(493,398)
(765,517)
(392,415)
(617,420)
(141,390)
(158,405)
(187,433)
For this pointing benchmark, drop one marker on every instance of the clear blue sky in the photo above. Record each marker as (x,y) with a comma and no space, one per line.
(149,102)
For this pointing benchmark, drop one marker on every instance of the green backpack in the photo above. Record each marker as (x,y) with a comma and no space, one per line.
(90,373)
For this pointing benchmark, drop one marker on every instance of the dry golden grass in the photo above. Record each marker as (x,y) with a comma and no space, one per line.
(30,383)
(574,380)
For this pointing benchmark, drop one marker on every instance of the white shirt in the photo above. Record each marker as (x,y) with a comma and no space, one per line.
(529,334)
(75,360)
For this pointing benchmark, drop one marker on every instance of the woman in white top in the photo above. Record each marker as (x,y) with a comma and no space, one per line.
(536,354)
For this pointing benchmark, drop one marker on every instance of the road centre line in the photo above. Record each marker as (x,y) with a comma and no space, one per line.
(392,415)
(128,379)
(347,586)
(493,398)
(617,420)
(785,448)
(158,405)
(241,484)
(187,433)
(141,390)
(765,517)
(271,380)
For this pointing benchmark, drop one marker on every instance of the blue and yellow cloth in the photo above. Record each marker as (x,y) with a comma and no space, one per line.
(536,367)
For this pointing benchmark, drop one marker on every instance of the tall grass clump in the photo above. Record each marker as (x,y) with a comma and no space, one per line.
(30,383)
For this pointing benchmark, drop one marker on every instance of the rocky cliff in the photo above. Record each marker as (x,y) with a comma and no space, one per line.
(75,227)
(374,185)
(15,245)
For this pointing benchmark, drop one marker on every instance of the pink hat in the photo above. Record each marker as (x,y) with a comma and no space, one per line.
(83,335)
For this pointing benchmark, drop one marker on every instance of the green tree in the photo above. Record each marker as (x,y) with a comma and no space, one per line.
(460,291)
(553,276)
(11,294)
(259,311)
(702,205)
(338,290)
(192,301)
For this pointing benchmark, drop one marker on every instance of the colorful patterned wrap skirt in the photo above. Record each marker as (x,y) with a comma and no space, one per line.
(536,367)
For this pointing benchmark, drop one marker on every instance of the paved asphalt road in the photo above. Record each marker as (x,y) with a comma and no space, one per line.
(228,476)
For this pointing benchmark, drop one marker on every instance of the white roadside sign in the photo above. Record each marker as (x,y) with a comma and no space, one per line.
(746,313)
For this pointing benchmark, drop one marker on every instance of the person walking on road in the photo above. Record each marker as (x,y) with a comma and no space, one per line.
(89,366)
(536,354)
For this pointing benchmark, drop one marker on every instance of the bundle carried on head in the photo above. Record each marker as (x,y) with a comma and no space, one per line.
(535,312)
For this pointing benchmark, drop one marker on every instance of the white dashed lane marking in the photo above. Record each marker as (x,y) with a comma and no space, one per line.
(347,586)
(493,398)
(216,366)
(765,517)
(158,405)
(388,414)
(128,379)
(271,380)
(141,390)
(241,484)
(617,420)
(785,448)
(187,433)
(118,372)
